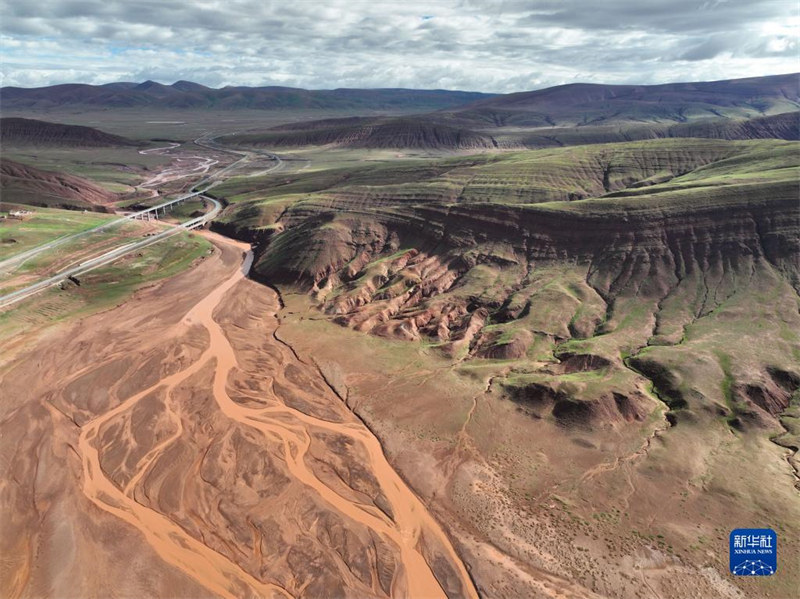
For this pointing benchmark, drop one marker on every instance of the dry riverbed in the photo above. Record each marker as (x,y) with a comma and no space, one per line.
(175,446)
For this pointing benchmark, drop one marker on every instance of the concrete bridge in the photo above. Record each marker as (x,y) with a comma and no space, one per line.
(110,256)
(154,211)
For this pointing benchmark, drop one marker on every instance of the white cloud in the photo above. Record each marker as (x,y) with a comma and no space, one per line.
(488,46)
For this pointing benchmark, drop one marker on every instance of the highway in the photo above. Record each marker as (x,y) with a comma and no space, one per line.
(206,184)
(207,141)
(108,257)
(18,259)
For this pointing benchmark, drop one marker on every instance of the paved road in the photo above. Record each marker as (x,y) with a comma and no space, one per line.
(108,257)
(207,141)
(18,259)
(206,184)
(201,186)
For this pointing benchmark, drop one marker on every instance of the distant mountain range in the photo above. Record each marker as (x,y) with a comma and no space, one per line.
(188,95)
(752,108)
(755,108)
(572,105)
(583,104)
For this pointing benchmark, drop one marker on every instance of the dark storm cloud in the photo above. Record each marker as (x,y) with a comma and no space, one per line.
(709,48)
(467,44)
(676,16)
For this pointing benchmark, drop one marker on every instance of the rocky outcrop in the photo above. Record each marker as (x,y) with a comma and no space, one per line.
(733,225)
(771,392)
(582,295)
(540,400)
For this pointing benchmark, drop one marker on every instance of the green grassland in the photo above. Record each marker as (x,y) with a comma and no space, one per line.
(99,288)
(94,243)
(539,176)
(106,286)
(187,210)
(44,225)
(116,169)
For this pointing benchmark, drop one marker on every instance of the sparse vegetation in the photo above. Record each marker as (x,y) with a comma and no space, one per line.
(583,359)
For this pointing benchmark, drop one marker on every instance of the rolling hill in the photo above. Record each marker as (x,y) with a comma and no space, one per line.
(643,240)
(573,114)
(759,108)
(371,133)
(32,132)
(626,312)
(24,184)
(583,104)
(423,133)
(778,126)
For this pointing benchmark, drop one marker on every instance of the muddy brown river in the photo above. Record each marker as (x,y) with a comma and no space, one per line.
(238,405)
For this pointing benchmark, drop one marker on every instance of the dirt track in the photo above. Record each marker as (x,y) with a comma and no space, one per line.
(178,426)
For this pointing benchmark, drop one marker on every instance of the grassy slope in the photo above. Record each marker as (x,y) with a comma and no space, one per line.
(105,286)
(779,126)
(45,224)
(524,177)
(400,133)
(72,252)
(44,133)
(697,174)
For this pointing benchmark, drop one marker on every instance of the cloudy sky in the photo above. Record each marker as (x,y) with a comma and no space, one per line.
(487,46)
